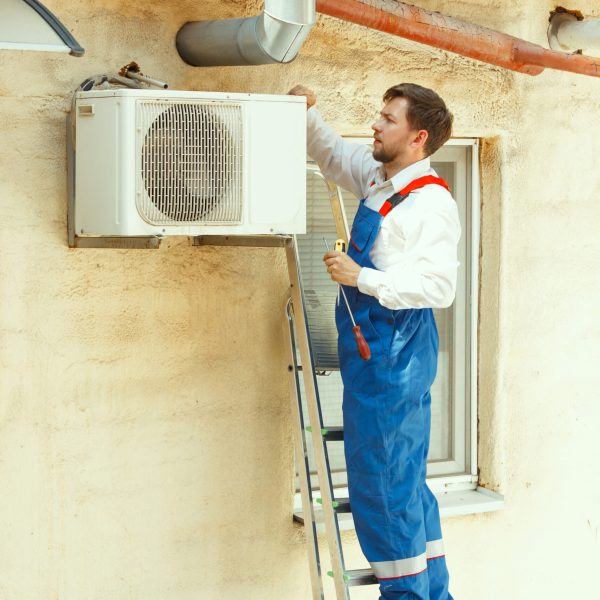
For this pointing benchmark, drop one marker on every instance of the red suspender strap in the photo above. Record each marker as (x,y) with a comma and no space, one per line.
(421,182)
(385,208)
(411,187)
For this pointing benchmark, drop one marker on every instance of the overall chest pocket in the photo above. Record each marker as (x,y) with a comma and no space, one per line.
(363,229)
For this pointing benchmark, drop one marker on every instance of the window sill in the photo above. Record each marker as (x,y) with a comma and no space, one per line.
(468,502)
(452,504)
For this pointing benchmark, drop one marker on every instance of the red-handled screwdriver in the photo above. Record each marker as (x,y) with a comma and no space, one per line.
(361,343)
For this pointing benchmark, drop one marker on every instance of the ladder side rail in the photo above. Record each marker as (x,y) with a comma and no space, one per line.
(314,411)
(301,454)
(304,332)
(336,202)
(339,212)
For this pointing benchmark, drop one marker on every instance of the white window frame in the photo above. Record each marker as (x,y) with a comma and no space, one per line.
(455,481)
(465,429)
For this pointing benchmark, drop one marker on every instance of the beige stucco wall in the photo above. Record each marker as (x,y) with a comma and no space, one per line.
(145,437)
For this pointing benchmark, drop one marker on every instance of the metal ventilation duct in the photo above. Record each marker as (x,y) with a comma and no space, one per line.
(275,36)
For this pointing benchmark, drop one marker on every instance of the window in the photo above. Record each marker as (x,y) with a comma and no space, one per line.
(452,457)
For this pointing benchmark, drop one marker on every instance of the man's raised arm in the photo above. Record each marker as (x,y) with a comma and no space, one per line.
(349,165)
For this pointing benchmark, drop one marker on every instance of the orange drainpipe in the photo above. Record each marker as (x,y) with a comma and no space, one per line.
(447,33)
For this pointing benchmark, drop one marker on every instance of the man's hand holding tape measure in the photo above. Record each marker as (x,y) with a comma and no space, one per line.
(340,266)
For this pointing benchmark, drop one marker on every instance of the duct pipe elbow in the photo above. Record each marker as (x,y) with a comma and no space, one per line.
(281,40)
(271,37)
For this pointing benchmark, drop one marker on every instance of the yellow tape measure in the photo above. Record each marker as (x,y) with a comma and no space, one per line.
(340,246)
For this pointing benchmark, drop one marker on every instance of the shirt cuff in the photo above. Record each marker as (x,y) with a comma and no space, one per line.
(368,281)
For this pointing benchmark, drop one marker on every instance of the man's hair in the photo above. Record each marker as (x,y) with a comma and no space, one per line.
(426,110)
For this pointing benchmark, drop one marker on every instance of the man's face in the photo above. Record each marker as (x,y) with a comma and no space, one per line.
(392,133)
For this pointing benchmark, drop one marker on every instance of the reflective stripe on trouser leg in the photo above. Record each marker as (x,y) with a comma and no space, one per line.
(392,569)
(435,549)
(437,576)
(396,569)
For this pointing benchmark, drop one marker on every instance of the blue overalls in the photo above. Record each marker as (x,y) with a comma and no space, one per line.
(387,417)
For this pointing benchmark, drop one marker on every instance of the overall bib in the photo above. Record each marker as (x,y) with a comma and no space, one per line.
(387,417)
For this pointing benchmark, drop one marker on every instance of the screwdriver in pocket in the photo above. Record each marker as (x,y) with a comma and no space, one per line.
(361,343)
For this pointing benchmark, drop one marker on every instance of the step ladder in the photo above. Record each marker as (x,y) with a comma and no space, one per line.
(301,364)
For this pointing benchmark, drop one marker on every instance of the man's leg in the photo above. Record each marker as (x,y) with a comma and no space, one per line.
(386,437)
(384,446)
(436,560)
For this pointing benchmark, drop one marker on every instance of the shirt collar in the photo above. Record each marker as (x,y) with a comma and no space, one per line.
(403,178)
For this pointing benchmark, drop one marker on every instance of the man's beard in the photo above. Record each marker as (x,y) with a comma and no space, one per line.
(382,156)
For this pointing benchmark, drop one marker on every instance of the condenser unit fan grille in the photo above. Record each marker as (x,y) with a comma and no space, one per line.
(190,157)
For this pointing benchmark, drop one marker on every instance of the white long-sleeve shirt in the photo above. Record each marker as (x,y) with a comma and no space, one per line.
(415,252)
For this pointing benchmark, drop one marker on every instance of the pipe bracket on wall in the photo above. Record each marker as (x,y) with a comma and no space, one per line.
(274,36)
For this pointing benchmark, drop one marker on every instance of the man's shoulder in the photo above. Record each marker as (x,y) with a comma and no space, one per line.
(436,201)
(435,196)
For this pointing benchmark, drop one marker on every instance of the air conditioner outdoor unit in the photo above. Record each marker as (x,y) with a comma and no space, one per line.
(159,163)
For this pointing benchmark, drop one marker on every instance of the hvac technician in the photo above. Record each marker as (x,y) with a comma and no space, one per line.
(401,263)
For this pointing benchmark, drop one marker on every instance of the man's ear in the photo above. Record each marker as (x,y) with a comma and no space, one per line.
(420,139)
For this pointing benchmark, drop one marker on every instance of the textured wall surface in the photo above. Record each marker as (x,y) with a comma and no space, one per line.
(145,437)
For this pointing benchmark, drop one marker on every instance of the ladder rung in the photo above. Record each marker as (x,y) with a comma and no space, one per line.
(340,505)
(330,434)
(333,434)
(345,520)
(358,577)
(343,505)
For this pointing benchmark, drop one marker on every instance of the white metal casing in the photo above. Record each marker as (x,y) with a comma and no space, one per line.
(108,184)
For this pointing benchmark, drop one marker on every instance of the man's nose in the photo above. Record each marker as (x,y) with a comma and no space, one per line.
(376,126)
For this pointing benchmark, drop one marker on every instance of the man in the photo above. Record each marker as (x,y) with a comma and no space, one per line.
(401,263)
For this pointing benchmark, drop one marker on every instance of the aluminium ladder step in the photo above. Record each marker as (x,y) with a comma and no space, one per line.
(330,434)
(333,434)
(345,520)
(358,577)
(340,505)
